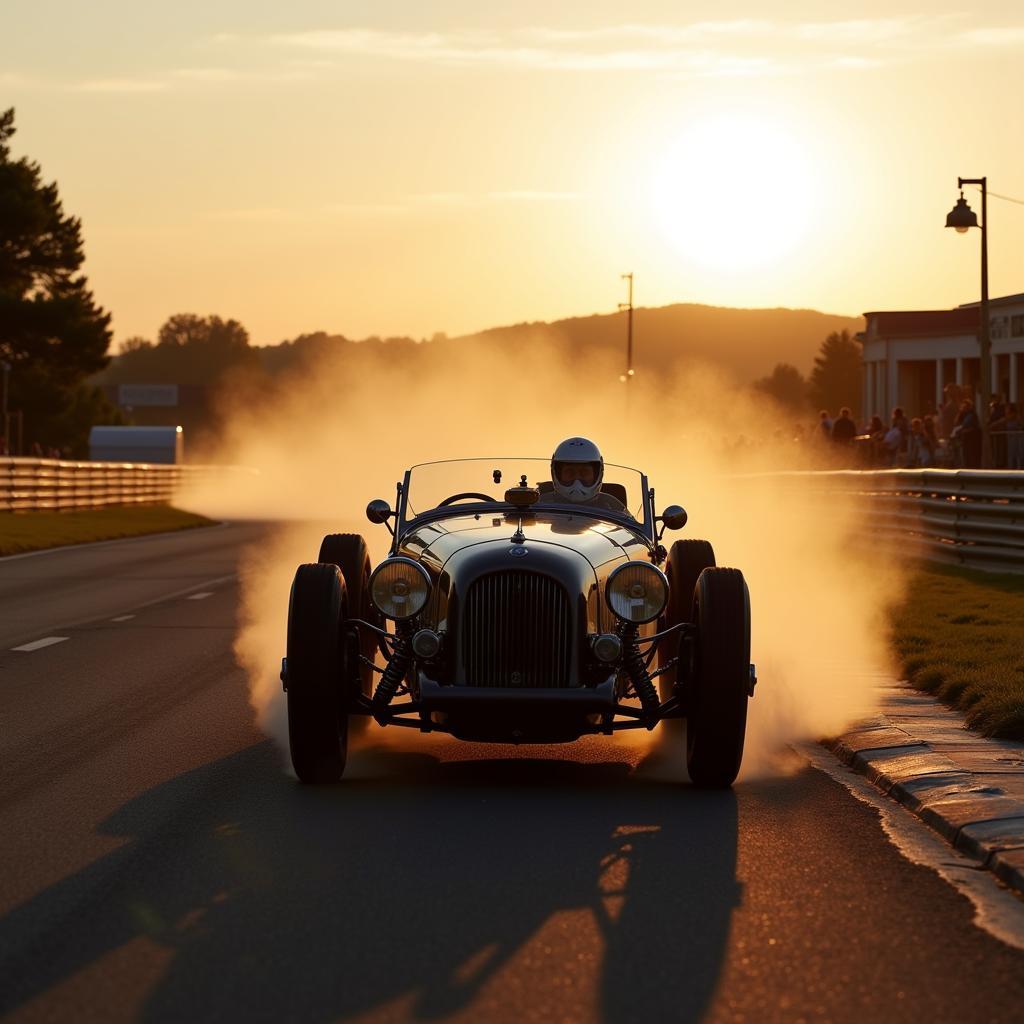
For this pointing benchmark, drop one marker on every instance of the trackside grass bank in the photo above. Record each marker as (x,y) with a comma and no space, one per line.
(960,636)
(33,531)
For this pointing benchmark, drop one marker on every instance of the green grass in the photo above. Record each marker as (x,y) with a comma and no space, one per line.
(33,531)
(960,636)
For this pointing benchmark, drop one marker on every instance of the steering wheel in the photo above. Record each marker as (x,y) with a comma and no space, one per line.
(475,495)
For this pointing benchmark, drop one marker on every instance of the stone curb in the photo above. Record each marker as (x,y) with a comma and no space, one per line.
(976,818)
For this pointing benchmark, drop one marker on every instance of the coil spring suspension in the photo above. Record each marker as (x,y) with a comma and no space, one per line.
(391,678)
(637,669)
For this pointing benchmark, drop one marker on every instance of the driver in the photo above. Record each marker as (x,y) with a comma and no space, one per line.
(577,470)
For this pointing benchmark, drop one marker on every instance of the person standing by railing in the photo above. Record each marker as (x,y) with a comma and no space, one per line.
(1013,424)
(996,418)
(967,435)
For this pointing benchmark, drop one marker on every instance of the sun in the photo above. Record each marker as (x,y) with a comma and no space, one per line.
(734,192)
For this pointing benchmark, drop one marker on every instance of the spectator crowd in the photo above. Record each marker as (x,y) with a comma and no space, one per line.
(950,437)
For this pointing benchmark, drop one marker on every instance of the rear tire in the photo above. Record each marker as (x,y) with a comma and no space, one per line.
(687,559)
(348,551)
(317,723)
(717,720)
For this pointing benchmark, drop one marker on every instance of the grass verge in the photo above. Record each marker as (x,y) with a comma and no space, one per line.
(33,531)
(960,636)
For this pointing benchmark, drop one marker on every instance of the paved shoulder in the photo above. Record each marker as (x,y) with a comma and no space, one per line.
(50,590)
(968,788)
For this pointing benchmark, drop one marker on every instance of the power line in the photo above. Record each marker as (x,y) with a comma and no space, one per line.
(1008,199)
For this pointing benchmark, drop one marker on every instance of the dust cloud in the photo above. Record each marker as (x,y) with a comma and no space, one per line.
(337,434)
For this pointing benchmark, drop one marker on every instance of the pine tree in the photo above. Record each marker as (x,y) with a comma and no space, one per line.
(52,333)
(786,385)
(837,377)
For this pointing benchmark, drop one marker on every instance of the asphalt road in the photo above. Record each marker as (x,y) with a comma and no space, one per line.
(157,862)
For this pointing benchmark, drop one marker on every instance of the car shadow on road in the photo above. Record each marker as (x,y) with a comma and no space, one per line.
(409,887)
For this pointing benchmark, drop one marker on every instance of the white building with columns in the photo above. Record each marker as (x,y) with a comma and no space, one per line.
(910,356)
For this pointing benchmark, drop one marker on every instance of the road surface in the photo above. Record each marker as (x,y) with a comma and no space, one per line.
(157,862)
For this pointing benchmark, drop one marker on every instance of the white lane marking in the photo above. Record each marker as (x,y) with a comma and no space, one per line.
(216,581)
(996,910)
(122,618)
(200,596)
(36,645)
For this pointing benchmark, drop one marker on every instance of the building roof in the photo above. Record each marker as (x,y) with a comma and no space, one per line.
(1002,300)
(924,322)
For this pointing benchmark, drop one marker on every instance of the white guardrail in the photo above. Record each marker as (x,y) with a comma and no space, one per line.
(962,516)
(33,485)
(968,517)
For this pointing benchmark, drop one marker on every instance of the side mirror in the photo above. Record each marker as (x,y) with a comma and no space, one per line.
(378,511)
(674,517)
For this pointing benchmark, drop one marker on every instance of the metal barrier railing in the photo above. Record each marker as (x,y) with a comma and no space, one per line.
(962,516)
(966,517)
(32,485)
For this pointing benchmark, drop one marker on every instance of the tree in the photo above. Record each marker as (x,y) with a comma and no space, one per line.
(836,379)
(190,349)
(51,330)
(786,385)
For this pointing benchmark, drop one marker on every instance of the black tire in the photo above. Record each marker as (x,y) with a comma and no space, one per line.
(349,553)
(317,724)
(717,720)
(687,559)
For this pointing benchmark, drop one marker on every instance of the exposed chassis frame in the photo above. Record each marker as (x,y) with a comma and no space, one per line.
(634,717)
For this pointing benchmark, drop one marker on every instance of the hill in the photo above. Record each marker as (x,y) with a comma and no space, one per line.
(745,342)
(208,358)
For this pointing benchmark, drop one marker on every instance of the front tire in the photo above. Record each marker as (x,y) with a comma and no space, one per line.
(317,721)
(348,551)
(717,720)
(687,559)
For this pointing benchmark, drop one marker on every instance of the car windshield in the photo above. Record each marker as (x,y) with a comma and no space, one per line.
(431,483)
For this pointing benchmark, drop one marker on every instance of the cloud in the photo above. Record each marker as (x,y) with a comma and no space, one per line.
(737,46)
(498,196)
(730,47)
(532,196)
(1009,35)
(207,74)
(864,30)
(120,85)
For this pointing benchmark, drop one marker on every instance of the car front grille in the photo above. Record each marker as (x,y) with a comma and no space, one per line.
(516,631)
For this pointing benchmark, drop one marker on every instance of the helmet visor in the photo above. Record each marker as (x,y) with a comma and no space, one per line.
(568,473)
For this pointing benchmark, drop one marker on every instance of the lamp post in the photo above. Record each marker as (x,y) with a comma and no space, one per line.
(6,367)
(962,218)
(628,307)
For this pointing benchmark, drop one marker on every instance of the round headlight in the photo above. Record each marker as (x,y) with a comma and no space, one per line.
(400,587)
(637,592)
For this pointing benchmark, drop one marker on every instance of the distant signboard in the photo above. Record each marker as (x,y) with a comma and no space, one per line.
(138,395)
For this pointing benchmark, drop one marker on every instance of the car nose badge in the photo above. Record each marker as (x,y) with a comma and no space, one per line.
(517,551)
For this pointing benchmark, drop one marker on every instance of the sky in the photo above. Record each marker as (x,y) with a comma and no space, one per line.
(405,168)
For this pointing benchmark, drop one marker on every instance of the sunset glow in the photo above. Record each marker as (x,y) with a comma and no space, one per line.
(423,168)
(734,192)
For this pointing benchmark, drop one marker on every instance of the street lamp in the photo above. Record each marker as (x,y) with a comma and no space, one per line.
(962,218)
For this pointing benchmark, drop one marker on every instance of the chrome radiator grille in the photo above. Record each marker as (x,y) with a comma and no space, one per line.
(516,631)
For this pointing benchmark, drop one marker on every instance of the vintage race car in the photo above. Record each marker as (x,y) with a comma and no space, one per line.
(507,614)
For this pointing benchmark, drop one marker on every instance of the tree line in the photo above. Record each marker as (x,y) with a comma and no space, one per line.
(834,382)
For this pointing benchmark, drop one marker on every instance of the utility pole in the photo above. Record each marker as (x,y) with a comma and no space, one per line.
(627,377)
(6,367)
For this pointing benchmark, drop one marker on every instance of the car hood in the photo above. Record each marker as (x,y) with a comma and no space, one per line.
(596,541)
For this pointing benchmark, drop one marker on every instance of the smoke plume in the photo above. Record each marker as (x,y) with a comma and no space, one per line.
(330,437)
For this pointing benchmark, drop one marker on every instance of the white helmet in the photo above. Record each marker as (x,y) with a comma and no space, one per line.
(577,469)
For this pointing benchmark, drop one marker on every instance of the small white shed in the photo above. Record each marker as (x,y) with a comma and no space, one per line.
(136,444)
